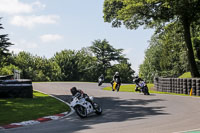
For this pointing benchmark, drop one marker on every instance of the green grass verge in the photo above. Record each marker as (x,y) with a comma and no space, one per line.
(22,109)
(127,88)
(131,88)
(186,75)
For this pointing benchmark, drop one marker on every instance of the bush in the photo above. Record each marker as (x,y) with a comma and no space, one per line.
(8,70)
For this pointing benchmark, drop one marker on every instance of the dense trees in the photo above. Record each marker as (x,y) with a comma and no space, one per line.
(167,53)
(70,65)
(157,14)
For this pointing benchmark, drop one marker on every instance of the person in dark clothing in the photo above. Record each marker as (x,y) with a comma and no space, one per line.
(115,77)
(101,77)
(100,80)
(137,81)
(80,94)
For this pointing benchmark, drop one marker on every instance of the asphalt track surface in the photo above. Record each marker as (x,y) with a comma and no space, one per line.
(123,112)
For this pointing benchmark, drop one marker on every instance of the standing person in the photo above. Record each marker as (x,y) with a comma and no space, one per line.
(116,78)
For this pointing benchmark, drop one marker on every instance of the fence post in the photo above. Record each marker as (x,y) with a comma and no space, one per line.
(16,74)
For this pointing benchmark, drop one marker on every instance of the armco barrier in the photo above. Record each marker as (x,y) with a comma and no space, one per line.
(21,88)
(177,85)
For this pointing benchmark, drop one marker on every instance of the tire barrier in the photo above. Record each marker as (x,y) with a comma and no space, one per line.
(21,88)
(178,85)
(198,87)
(185,90)
(189,85)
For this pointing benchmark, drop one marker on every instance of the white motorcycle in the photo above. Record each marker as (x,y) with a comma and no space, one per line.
(83,108)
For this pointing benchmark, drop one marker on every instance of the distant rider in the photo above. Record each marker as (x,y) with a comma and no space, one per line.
(116,76)
(137,81)
(101,77)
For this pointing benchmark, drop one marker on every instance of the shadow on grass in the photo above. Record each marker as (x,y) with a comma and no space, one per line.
(114,110)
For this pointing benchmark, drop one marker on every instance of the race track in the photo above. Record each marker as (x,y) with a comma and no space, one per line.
(123,112)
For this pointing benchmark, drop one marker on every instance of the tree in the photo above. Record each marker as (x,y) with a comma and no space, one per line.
(196,42)
(68,63)
(45,70)
(156,13)
(151,64)
(4,44)
(164,57)
(87,65)
(105,53)
(25,62)
(8,70)
(125,71)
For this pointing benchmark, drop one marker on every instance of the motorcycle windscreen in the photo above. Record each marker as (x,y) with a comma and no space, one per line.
(114,85)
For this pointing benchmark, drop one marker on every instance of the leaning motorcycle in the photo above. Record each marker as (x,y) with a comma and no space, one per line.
(83,108)
(144,88)
(100,82)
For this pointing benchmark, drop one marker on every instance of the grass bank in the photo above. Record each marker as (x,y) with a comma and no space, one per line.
(131,88)
(22,109)
(128,88)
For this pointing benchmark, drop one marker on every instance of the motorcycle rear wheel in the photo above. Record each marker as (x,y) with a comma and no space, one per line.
(81,111)
(146,91)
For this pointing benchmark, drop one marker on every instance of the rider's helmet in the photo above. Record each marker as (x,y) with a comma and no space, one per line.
(136,77)
(73,90)
(117,73)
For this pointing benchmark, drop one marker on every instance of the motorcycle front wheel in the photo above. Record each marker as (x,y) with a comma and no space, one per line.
(117,87)
(100,83)
(146,91)
(81,111)
(98,109)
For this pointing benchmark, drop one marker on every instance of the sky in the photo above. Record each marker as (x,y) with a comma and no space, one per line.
(44,27)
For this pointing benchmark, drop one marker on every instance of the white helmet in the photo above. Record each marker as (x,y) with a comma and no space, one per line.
(116,73)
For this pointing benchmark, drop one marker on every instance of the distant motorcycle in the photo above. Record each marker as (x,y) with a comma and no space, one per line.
(144,88)
(83,108)
(100,82)
(116,85)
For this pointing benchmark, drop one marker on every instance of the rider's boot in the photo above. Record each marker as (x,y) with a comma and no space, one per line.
(137,89)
